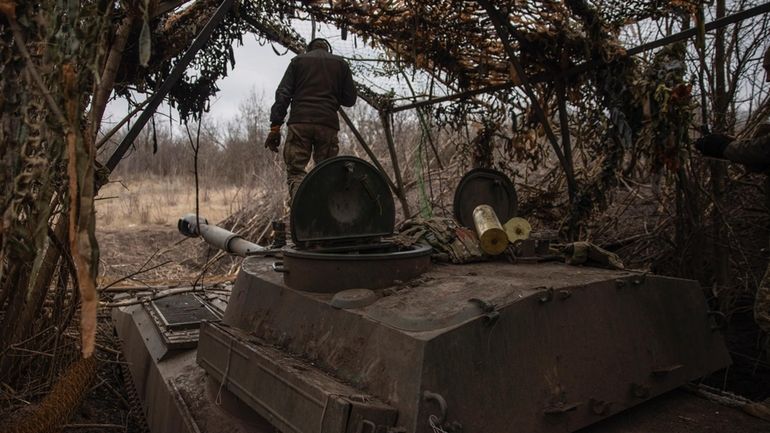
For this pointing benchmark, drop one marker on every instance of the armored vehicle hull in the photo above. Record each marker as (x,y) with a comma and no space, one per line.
(486,347)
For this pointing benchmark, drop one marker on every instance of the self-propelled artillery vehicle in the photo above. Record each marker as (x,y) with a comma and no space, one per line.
(346,331)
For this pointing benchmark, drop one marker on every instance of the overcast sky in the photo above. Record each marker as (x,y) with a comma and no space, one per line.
(256,67)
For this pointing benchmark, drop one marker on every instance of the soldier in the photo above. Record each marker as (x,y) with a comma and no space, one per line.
(315,84)
(753,153)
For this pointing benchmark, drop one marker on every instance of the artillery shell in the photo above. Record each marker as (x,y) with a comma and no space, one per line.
(492,237)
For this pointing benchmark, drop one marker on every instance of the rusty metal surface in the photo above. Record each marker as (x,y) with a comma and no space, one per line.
(342,198)
(330,272)
(544,347)
(484,186)
(292,394)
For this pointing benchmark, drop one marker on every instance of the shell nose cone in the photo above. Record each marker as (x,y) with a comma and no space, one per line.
(188,225)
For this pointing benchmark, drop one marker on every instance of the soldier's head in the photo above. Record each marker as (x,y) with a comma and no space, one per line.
(766,64)
(319,44)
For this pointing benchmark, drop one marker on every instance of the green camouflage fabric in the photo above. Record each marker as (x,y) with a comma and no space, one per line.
(586,253)
(302,141)
(450,242)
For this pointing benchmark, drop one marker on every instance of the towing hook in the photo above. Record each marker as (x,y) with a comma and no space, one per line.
(432,396)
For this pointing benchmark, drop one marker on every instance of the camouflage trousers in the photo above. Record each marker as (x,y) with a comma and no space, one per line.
(302,141)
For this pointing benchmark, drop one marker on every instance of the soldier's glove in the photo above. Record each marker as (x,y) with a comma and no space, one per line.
(273,139)
(713,145)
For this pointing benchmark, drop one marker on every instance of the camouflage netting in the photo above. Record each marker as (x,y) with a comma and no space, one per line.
(453,42)
(412,50)
(456,41)
(64,399)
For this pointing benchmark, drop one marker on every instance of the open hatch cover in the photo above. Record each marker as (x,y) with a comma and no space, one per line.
(342,200)
(484,186)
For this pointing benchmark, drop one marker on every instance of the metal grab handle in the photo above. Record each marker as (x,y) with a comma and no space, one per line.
(432,396)
(372,428)
(280,267)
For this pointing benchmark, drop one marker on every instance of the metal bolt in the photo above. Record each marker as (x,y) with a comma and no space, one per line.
(599,407)
(546,295)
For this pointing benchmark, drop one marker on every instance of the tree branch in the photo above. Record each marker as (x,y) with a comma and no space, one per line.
(107,81)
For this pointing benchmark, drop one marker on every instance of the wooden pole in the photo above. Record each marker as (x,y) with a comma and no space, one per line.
(368,150)
(386,124)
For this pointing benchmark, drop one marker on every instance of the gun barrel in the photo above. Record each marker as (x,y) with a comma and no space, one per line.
(194,226)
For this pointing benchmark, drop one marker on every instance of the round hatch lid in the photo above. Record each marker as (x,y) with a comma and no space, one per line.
(484,186)
(342,199)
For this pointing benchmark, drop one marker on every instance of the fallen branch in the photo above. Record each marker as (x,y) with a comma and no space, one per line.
(724,398)
(96,345)
(133,274)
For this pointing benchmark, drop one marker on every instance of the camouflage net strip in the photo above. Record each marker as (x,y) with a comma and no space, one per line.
(59,404)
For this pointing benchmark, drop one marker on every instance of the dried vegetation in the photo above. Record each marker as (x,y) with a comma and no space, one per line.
(597,141)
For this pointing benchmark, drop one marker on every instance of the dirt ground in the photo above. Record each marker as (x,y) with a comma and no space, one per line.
(155,255)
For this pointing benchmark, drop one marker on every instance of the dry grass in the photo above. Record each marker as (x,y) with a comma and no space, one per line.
(137,234)
(160,201)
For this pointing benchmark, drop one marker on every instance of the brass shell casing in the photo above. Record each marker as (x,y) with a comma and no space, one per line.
(492,238)
(517,229)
